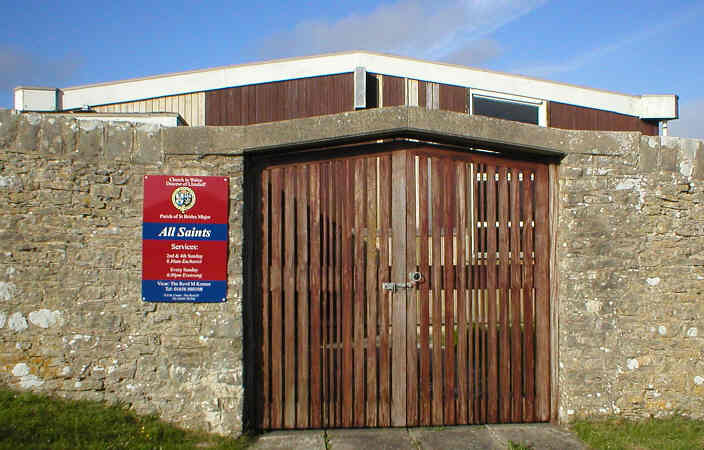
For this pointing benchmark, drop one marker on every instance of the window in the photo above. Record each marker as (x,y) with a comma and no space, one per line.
(508,107)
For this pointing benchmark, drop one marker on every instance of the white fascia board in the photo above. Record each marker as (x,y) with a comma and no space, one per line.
(266,72)
(182,83)
(659,107)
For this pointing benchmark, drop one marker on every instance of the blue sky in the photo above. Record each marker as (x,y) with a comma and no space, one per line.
(636,47)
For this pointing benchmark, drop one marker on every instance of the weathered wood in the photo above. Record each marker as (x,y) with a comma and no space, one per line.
(480,361)
(461,222)
(399,303)
(289,281)
(266,323)
(412,295)
(347,295)
(492,285)
(303,303)
(325,282)
(528,299)
(275,283)
(449,291)
(360,185)
(385,297)
(515,272)
(504,289)
(316,326)
(373,288)
(542,292)
(424,268)
(436,231)
(340,187)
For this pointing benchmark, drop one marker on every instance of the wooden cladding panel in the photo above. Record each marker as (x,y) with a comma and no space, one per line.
(191,107)
(393,91)
(453,98)
(468,344)
(572,117)
(280,100)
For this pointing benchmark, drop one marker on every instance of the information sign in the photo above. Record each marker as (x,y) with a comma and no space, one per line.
(184,238)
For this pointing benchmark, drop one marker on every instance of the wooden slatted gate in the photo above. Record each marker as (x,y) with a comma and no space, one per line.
(467,344)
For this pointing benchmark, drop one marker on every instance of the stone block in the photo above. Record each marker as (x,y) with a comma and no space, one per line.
(649,154)
(90,140)
(28,129)
(8,127)
(148,148)
(118,142)
(186,141)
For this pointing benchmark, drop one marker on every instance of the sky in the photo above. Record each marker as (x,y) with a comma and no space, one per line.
(635,47)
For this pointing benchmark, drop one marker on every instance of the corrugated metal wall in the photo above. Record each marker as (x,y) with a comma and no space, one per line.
(190,106)
(570,117)
(282,100)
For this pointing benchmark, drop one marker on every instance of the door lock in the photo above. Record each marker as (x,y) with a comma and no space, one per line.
(415,277)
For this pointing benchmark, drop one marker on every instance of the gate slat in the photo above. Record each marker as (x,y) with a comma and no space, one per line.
(491,284)
(289,299)
(325,291)
(449,213)
(372,291)
(303,301)
(412,295)
(316,327)
(338,204)
(347,296)
(276,301)
(542,293)
(360,185)
(504,289)
(461,221)
(528,299)
(436,195)
(516,351)
(399,303)
(480,362)
(266,325)
(425,379)
(384,212)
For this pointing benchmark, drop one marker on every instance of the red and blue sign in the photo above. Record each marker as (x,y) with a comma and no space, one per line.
(184,238)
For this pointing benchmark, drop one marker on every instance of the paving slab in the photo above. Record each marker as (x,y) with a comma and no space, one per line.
(376,438)
(452,438)
(294,440)
(539,436)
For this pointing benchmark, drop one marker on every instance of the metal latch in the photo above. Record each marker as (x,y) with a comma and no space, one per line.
(415,278)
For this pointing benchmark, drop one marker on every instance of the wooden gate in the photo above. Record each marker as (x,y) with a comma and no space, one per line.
(348,340)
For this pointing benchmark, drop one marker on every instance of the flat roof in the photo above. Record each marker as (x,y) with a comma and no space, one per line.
(643,106)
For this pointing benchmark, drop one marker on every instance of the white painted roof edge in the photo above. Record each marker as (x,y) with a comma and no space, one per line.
(643,106)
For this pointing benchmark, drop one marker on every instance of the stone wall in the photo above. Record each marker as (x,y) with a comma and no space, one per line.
(629,263)
(631,276)
(71,319)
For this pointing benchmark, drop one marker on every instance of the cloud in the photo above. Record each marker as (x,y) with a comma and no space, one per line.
(690,123)
(448,30)
(583,59)
(19,67)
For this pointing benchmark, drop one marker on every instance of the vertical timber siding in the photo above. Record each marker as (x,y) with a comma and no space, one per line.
(190,106)
(281,100)
(572,117)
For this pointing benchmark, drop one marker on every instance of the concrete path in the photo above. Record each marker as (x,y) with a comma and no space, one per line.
(536,436)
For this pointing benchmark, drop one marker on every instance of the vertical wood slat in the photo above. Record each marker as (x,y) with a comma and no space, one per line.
(399,303)
(479,296)
(491,286)
(316,325)
(437,363)
(347,299)
(303,302)
(504,342)
(542,290)
(266,324)
(425,378)
(339,182)
(360,185)
(412,294)
(276,302)
(448,219)
(372,292)
(384,363)
(289,281)
(460,170)
(528,299)
(516,351)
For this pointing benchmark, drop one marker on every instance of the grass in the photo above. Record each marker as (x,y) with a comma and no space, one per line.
(675,432)
(29,421)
